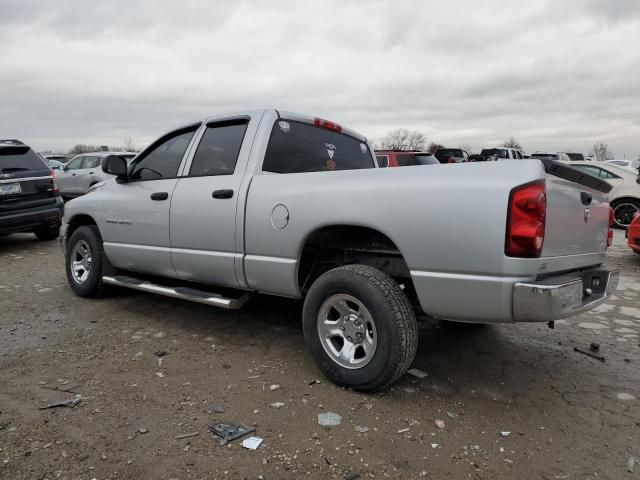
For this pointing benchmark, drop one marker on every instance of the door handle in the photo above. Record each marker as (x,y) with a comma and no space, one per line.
(90,173)
(228,193)
(73,174)
(159,196)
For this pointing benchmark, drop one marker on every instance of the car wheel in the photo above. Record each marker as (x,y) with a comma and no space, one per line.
(359,327)
(623,212)
(83,262)
(47,232)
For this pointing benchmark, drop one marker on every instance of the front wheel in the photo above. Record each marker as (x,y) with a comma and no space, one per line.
(624,211)
(359,327)
(83,262)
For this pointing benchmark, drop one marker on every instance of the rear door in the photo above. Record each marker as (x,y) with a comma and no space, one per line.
(25,180)
(135,222)
(204,213)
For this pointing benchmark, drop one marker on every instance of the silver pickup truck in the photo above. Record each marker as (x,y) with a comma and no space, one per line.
(284,204)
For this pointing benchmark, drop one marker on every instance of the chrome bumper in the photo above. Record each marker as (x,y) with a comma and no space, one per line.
(563,296)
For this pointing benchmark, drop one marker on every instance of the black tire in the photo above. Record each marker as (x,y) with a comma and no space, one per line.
(395,325)
(92,286)
(617,217)
(47,233)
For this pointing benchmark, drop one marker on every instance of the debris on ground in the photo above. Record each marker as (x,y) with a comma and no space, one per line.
(226,432)
(594,347)
(217,409)
(435,445)
(64,403)
(631,463)
(440,424)
(589,354)
(274,387)
(417,373)
(252,443)
(186,435)
(361,429)
(313,382)
(143,430)
(276,405)
(452,414)
(505,434)
(352,476)
(403,430)
(329,419)
(161,353)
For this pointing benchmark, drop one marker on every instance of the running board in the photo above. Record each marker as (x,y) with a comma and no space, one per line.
(183,293)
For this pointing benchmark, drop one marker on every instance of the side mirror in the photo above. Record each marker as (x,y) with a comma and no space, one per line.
(115,165)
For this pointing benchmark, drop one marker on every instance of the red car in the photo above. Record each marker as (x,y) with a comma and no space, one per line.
(633,234)
(398,158)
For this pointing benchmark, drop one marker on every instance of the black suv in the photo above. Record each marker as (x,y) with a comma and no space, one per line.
(29,196)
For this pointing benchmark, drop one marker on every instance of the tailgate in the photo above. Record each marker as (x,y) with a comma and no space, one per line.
(577,221)
(26,190)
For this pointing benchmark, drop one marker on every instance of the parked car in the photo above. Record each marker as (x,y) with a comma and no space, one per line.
(452,155)
(633,234)
(563,157)
(290,205)
(630,164)
(400,158)
(83,171)
(576,156)
(58,157)
(497,153)
(625,194)
(29,197)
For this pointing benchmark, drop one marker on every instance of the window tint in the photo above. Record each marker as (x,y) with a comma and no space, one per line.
(163,160)
(91,162)
(75,164)
(298,147)
(383,161)
(425,159)
(20,158)
(407,160)
(596,171)
(218,150)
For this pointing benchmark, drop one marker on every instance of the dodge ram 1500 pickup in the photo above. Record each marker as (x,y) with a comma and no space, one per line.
(284,204)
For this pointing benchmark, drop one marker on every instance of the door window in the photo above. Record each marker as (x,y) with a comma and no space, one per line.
(164,156)
(218,150)
(75,164)
(91,162)
(383,161)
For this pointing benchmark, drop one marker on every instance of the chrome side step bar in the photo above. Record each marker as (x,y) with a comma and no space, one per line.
(183,293)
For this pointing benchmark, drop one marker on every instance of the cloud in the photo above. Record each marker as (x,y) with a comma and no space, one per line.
(555,76)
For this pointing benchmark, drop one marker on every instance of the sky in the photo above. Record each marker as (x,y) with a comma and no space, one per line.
(557,75)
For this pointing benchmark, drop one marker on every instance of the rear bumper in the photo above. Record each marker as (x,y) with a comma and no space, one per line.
(559,297)
(32,218)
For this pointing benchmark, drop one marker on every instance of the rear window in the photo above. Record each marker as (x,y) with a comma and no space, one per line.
(296,147)
(383,161)
(545,156)
(20,158)
(498,152)
(450,152)
(576,156)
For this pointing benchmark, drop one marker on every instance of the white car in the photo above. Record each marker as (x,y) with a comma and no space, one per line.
(625,195)
(632,164)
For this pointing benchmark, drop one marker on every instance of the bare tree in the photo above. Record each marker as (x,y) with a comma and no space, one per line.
(403,139)
(129,145)
(83,148)
(512,143)
(601,152)
(466,147)
(434,147)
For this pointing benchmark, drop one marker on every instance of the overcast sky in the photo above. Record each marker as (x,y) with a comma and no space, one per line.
(557,75)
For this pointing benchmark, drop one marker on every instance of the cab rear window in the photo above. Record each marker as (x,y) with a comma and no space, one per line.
(19,159)
(296,147)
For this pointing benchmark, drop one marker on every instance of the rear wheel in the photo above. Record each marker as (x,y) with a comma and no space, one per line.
(359,327)
(623,212)
(47,232)
(83,262)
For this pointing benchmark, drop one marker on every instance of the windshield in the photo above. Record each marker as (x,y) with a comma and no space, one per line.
(494,152)
(20,158)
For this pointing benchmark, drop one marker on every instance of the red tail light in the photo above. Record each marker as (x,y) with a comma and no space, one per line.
(452,160)
(54,179)
(322,123)
(610,233)
(526,221)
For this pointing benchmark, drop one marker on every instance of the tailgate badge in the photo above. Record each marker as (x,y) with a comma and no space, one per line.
(587,213)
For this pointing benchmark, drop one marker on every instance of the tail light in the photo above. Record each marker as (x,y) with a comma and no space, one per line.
(610,233)
(452,160)
(526,221)
(322,123)
(54,179)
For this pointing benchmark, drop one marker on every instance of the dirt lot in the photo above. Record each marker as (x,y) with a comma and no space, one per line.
(569,416)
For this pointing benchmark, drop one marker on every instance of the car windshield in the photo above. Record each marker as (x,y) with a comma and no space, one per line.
(20,158)
(494,152)
(450,152)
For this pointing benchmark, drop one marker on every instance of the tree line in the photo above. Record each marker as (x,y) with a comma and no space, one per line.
(128,145)
(414,140)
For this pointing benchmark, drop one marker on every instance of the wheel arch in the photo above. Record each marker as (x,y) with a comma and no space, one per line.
(77,221)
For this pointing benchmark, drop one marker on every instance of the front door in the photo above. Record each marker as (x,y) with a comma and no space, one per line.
(86,176)
(135,222)
(67,177)
(204,245)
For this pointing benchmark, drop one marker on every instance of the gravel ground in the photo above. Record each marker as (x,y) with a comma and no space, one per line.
(517,401)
